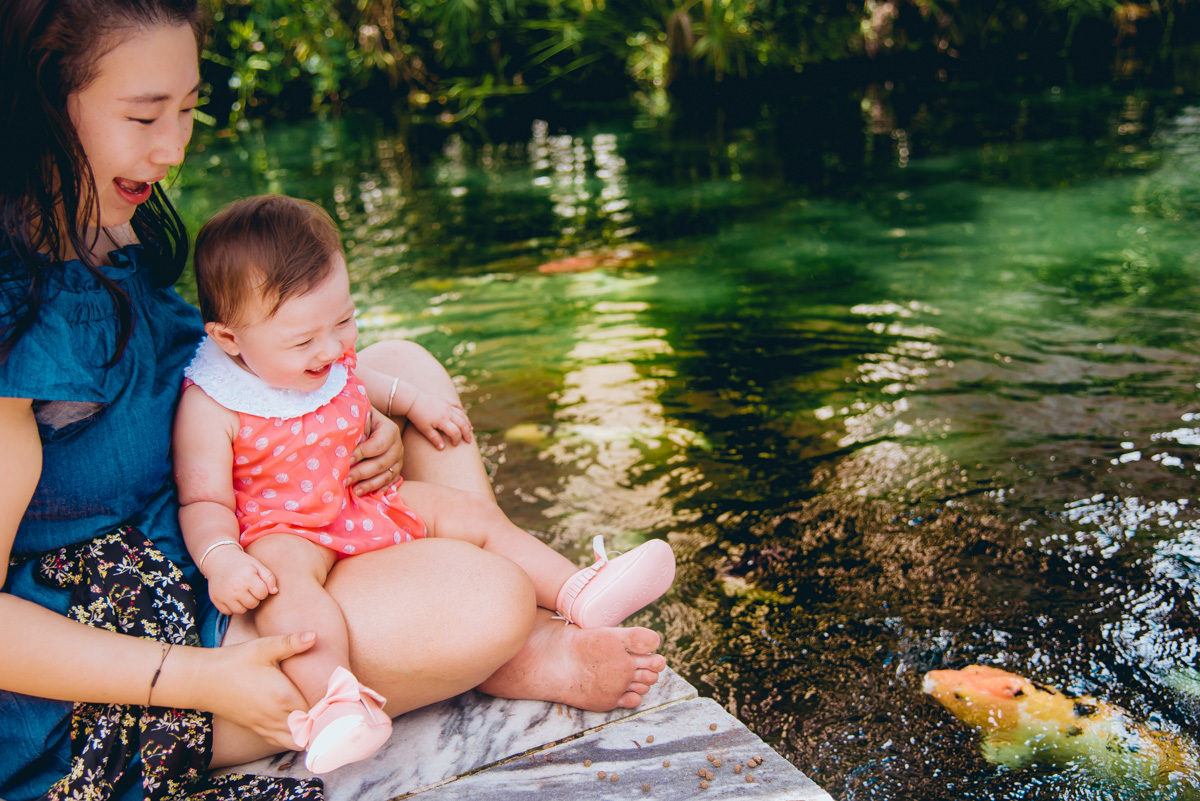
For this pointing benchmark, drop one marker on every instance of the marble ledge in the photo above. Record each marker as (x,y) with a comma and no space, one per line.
(460,736)
(656,756)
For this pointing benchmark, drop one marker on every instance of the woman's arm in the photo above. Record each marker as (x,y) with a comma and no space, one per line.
(50,656)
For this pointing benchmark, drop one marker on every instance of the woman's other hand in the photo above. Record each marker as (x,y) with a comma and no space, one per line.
(252,691)
(378,458)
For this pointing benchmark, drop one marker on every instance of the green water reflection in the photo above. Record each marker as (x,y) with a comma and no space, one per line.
(907,382)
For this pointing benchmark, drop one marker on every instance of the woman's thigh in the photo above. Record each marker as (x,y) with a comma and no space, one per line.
(427,620)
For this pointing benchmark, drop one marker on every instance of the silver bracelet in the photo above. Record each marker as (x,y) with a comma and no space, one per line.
(392,394)
(213,547)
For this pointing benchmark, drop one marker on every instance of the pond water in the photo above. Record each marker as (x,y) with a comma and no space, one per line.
(908,380)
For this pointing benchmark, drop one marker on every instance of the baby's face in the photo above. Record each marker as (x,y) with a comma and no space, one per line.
(295,347)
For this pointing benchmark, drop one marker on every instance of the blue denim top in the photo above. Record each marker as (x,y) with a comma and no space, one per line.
(106,437)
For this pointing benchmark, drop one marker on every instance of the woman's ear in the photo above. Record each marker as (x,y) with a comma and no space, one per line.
(224,336)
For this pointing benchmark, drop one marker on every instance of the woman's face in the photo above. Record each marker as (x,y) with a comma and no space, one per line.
(135,117)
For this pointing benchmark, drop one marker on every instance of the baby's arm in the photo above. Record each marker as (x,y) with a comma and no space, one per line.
(430,414)
(203,453)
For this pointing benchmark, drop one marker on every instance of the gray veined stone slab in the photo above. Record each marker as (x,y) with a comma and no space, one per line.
(664,769)
(438,743)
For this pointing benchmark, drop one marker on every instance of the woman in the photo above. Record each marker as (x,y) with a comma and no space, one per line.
(97,98)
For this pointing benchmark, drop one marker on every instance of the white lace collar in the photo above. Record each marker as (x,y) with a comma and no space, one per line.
(236,388)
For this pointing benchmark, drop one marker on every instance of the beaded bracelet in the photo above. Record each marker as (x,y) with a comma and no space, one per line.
(166,649)
(213,547)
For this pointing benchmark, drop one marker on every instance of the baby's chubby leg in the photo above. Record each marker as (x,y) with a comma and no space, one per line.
(454,514)
(302,604)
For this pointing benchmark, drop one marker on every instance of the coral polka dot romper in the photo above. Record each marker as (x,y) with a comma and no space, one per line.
(292,454)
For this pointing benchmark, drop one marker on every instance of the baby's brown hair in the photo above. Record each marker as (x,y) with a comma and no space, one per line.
(271,247)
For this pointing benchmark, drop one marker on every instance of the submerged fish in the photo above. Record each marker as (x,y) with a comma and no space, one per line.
(1023,722)
(596,260)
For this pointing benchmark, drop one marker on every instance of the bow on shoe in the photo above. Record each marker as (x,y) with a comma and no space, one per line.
(343,688)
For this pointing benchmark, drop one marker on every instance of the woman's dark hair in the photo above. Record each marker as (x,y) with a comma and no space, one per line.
(49,50)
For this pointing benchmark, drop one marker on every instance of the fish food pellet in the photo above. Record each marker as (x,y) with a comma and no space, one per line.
(612,778)
(749,778)
(601,775)
(703,785)
(710,757)
(701,773)
(737,768)
(645,787)
(712,727)
(708,774)
(587,763)
(717,762)
(649,738)
(666,763)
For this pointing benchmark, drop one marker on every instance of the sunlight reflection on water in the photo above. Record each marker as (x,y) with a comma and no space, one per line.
(938,417)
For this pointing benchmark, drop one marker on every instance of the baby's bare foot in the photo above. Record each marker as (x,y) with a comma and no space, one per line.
(594,669)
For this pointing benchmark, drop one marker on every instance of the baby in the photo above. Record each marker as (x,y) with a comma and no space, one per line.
(272,409)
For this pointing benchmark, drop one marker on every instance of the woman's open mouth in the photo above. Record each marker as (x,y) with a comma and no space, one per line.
(133,191)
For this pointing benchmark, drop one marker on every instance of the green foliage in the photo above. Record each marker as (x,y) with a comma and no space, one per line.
(452,55)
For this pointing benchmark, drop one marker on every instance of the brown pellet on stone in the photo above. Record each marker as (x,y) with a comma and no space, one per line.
(712,727)
(645,787)
(649,738)
(749,778)
(701,773)
(601,775)
(717,762)
(612,777)
(709,757)
(708,774)
(703,785)
(587,763)
(737,768)
(666,763)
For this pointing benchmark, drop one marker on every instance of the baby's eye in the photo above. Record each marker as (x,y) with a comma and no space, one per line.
(140,121)
(347,321)
(303,344)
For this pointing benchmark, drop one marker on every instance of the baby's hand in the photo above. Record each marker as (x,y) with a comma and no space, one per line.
(431,414)
(237,582)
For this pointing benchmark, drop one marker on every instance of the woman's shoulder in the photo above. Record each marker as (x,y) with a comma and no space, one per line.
(66,349)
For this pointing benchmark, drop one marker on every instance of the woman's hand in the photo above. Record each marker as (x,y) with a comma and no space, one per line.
(252,691)
(379,457)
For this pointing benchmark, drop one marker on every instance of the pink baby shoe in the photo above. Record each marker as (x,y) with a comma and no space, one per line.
(613,589)
(347,725)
